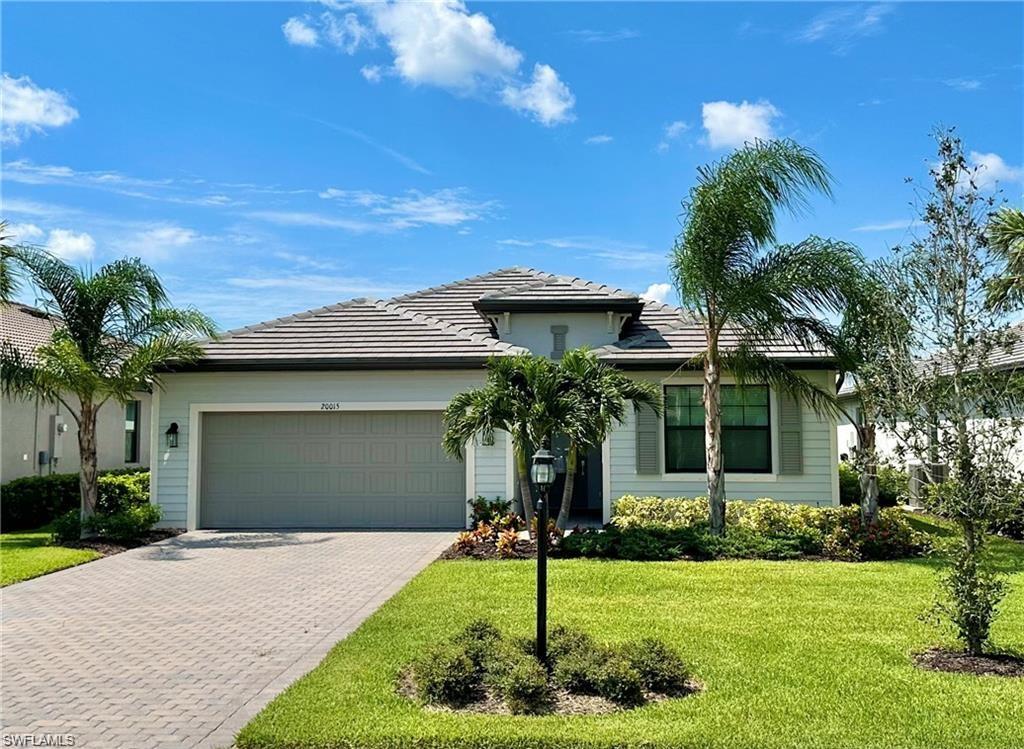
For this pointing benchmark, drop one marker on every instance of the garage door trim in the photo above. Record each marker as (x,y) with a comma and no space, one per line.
(194,435)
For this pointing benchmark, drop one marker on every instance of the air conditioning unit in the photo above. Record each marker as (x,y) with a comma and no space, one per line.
(922,474)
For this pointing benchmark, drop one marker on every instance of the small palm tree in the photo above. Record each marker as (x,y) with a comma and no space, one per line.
(752,296)
(596,396)
(115,332)
(8,278)
(521,398)
(1006,239)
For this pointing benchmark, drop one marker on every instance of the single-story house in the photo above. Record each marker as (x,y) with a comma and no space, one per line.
(332,417)
(40,438)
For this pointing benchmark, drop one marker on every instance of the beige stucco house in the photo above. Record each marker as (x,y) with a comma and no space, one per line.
(332,417)
(38,438)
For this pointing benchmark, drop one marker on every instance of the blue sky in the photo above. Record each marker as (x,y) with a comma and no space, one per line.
(267,158)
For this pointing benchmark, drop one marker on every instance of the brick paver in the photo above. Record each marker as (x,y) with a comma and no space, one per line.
(180,643)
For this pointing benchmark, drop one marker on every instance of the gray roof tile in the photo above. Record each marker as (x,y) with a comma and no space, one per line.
(26,328)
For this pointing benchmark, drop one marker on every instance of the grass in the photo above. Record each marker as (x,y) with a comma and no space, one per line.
(792,654)
(29,554)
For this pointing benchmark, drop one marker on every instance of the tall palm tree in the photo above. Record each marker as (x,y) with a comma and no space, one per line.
(1006,239)
(596,397)
(115,332)
(738,286)
(521,398)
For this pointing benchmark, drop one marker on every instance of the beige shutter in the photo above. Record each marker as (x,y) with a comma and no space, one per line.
(648,439)
(791,435)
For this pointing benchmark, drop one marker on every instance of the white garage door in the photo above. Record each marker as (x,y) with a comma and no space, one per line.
(362,469)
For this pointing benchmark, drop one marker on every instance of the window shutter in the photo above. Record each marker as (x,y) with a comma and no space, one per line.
(648,433)
(791,437)
(558,333)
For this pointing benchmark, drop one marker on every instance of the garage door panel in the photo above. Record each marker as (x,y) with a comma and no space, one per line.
(341,469)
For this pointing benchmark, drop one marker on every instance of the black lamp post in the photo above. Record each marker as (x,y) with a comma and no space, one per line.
(543,474)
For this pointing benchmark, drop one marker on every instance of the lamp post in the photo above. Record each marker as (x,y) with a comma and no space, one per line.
(542,472)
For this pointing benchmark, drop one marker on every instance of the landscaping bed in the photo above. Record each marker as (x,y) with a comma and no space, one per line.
(788,653)
(958,662)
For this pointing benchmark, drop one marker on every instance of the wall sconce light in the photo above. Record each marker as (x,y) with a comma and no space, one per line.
(172,434)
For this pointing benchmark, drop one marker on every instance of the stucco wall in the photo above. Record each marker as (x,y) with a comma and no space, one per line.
(532,330)
(26,430)
(818,484)
(277,390)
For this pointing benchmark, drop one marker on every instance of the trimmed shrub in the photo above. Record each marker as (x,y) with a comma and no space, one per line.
(479,639)
(523,684)
(127,525)
(660,668)
(564,640)
(655,512)
(579,671)
(445,675)
(619,682)
(893,485)
(32,501)
(490,511)
(66,528)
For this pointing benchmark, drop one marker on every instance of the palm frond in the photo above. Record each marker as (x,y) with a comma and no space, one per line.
(1006,240)
(753,367)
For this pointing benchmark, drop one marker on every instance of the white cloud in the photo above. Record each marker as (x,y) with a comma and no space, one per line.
(516,242)
(372,73)
(843,26)
(598,140)
(992,170)
(24,233)
(443,44)
(636,259)
(898,224)
(963,84)
(596,36)
(658,292)
(546,98)
(731,125)
(346,33)
(26,108)
(318,283)
(71,246)
(448,207)
(299,32)
(157,242)
(315,220)
(672,132)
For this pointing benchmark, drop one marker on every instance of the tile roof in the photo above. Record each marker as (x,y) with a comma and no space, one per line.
(26,328)
(442,325)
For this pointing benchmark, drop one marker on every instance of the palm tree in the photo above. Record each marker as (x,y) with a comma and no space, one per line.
(736,287)
(115,332)
(596,397)
(521,398)
(8,279)
(1006,239)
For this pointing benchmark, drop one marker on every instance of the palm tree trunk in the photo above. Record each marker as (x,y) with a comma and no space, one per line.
(869,476)
(713,443)
(88,476)
(571,460)
(525,492)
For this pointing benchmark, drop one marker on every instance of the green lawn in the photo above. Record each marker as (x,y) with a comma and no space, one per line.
(792,654)
(29,554)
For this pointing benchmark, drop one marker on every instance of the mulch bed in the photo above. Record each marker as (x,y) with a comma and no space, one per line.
(489,550)
(952,661)
(108,548)
(563,703)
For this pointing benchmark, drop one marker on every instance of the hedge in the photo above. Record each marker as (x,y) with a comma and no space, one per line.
(34,501)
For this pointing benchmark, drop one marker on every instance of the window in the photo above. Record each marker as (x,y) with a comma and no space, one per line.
(132,410)
(746,431)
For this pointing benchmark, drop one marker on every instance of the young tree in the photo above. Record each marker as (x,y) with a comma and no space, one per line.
(115,332)
(873,333)
(596,396)
(749,296)
(954,401)
(520,398)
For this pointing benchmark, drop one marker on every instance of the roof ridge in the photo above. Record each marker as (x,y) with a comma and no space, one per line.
(461,282)
(268,324)
(439,324)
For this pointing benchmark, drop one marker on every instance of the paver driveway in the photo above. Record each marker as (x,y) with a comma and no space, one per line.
(178,644)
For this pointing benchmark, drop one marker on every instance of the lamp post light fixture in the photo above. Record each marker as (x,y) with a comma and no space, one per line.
(542,472)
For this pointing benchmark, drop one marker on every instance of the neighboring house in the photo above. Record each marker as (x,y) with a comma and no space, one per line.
(39,438)
(332,417)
